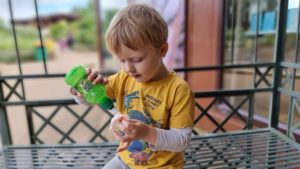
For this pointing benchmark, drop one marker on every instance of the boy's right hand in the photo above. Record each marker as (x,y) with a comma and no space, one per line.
(95,77)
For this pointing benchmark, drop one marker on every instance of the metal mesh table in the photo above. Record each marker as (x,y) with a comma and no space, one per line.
(263,148)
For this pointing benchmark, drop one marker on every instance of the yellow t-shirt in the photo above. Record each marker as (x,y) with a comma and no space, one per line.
(167,103)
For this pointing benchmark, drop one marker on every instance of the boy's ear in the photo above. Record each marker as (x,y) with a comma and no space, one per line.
(164,49)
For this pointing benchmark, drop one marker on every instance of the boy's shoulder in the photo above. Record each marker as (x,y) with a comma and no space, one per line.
(177,81)
(174,81)
(177,78)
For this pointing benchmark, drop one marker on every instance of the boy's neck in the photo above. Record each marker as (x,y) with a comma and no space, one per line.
(163,73)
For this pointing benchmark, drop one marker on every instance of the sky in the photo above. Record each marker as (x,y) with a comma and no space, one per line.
(25,8)
(293,3)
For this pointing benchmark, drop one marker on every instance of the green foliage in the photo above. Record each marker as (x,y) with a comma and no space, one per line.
(84,30)
(109,13)
(26,37)
(11,57)
(3,27)
(105,23)
(59,30)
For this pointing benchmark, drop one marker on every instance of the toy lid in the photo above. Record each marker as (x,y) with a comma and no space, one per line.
(74,75)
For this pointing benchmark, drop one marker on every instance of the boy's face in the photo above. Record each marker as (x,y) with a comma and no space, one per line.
(144,65)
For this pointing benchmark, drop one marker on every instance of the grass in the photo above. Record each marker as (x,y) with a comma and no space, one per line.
(26,38)
(11,56)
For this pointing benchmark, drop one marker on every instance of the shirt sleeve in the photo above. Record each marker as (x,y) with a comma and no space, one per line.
(183,107)
(175,140)
(113,86)
(110,92)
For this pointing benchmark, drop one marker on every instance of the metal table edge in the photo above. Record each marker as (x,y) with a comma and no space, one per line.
(242,132)
(284,137)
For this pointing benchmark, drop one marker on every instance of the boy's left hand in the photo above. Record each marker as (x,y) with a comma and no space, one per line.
(123,146)
(136,129)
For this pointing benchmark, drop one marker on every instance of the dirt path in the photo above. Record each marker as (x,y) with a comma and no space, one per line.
(60,63)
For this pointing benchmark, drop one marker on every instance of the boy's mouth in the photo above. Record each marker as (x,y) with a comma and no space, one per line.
(135,75)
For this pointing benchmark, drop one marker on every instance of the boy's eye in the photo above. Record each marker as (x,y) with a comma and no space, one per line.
(138,60)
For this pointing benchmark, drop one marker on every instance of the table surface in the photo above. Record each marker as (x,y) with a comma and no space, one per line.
(261,148)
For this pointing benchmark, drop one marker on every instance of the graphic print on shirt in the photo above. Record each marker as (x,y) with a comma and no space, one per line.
(139,150)
(128,98)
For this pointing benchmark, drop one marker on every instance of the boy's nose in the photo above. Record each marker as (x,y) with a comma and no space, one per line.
(129,67)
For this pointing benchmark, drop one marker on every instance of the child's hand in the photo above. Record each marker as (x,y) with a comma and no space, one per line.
(77,96)
(136,129)
(124,146)
(74,92)
(95,77)
(117,125)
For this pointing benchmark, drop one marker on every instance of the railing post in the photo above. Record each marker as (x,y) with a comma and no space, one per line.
(279,52)
(4,127)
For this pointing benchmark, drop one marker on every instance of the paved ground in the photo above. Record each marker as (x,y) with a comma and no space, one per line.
(60,63)
(54,88)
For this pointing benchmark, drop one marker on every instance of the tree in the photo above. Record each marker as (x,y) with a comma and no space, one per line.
(58,30)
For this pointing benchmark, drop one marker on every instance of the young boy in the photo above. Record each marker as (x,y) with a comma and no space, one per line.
(159,104)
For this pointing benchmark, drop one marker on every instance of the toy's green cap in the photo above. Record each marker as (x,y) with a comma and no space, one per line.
(74,75)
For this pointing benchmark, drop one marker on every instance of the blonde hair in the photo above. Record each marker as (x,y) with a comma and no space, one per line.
(135,27)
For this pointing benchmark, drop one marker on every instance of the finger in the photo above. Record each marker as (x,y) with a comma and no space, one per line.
(105,81)
(121,127)
(123,121)
(116,135)
(130,133)
(92,75)
(123,146)
(127,139)
(73,91)
(133,121)
(98,79)
(130,125)
(88,71)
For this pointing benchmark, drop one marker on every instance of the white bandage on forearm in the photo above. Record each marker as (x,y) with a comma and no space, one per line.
(174,140)
(79,100)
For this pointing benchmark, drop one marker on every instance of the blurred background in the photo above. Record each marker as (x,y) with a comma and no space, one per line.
(51,37)
(71,29)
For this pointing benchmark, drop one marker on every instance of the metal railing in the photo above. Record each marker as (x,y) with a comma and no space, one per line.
(32,107)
